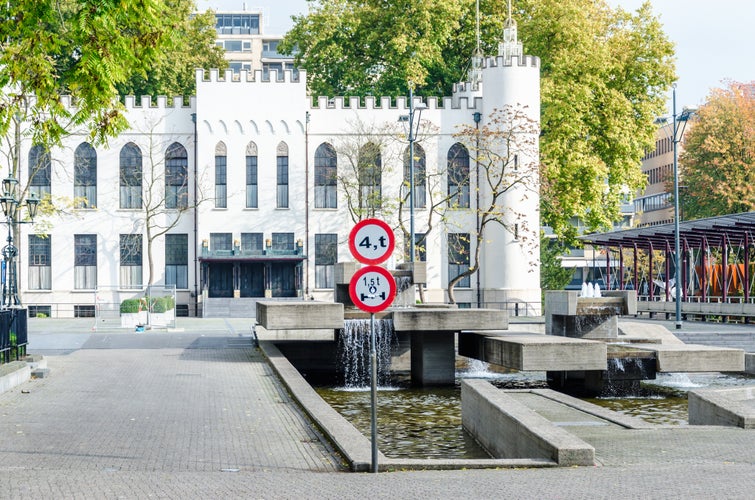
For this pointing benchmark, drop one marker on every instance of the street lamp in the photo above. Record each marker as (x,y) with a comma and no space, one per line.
(412,137)
(11,207)
(676,139)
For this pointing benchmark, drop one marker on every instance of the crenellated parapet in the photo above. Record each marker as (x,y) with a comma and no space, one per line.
(388,103)
(273,77)
(161,102)
(501,61)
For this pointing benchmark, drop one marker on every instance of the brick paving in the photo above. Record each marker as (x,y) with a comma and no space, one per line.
(199,414)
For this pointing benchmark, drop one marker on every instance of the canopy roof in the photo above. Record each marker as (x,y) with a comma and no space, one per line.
(737,229)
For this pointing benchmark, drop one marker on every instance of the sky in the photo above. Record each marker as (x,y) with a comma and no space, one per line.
(714,40)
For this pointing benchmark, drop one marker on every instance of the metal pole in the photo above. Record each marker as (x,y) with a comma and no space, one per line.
(373,394)
(678,283)
(411,174)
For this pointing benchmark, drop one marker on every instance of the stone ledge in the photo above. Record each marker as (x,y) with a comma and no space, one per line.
(731,407)
(508,429)
(14,374)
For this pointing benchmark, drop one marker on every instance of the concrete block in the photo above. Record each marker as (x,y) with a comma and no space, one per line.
(534,352)
(695,358)
(750,363)
(449,320)
(543,352)
(730,407)
(13,374)
(344,271)
(40,373)
(297,315)
(562,302)
(417,269)
(508,429)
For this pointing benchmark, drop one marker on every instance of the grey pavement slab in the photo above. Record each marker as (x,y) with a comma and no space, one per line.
(212,421)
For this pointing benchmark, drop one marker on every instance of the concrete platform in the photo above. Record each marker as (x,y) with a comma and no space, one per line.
(449,320)
(532,352)
(731,407)
(304,315)
(695,358)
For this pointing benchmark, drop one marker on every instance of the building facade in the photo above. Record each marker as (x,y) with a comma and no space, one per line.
(251,191)
(247,47)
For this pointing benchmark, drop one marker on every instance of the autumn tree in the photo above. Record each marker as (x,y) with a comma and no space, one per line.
(604,75)
(719,154)
(503,149)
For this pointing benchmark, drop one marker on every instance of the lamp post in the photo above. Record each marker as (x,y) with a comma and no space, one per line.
(412,137)
(12,210)
(676,139)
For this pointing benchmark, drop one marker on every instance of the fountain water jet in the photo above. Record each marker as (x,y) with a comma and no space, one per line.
(354,352)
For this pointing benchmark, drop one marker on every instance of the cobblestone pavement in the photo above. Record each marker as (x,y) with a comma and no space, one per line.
(200,415)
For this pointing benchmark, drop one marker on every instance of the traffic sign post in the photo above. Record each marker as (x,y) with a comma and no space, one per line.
(372,289)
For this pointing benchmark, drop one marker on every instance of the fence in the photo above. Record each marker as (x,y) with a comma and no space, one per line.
(13,334)
(153,307)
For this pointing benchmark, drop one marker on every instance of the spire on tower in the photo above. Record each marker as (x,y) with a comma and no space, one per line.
(475,70)
(510,46)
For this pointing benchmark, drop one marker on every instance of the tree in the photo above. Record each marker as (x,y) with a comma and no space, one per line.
(191,45)
(362,162)
(504,151)
(604,74)
(552,275)
(161,190)
(719,154)
(88,50)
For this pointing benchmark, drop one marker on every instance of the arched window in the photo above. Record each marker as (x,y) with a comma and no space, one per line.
(370,177)
(85,176)
(326,171)
(176,177)
(131,176)
(282,175)
(420,183)
(221,177)
(251,175)
(39,171)
(458,176)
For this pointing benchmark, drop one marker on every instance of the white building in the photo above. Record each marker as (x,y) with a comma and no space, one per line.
(254,162)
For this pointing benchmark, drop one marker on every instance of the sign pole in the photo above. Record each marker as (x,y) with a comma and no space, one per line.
(373,393)
(372,290)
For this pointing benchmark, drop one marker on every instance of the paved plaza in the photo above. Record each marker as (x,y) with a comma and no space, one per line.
(198,413)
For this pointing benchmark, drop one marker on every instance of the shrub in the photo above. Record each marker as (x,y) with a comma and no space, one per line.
(130,306)
(162,304)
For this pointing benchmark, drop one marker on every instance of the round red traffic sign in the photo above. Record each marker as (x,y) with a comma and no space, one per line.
(372,289)
(371,241)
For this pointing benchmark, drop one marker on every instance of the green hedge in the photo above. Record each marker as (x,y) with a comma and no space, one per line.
(162,304)
(130,306)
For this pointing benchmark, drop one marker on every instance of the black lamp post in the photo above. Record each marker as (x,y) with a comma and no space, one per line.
(680,123)
(12,210)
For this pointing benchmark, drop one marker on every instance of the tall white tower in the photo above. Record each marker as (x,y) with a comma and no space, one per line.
(511,256)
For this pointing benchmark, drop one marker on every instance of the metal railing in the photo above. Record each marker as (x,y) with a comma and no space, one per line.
(13,334)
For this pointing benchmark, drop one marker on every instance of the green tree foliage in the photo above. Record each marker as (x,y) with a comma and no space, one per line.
(604,73)
(552,275)
(88,49)
(719,154)
(191,45)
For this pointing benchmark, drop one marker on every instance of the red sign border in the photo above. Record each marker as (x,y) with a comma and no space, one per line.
(391,283)
(352,241)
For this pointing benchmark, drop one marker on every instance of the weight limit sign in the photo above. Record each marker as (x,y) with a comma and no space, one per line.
(371,241)
(372,289)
